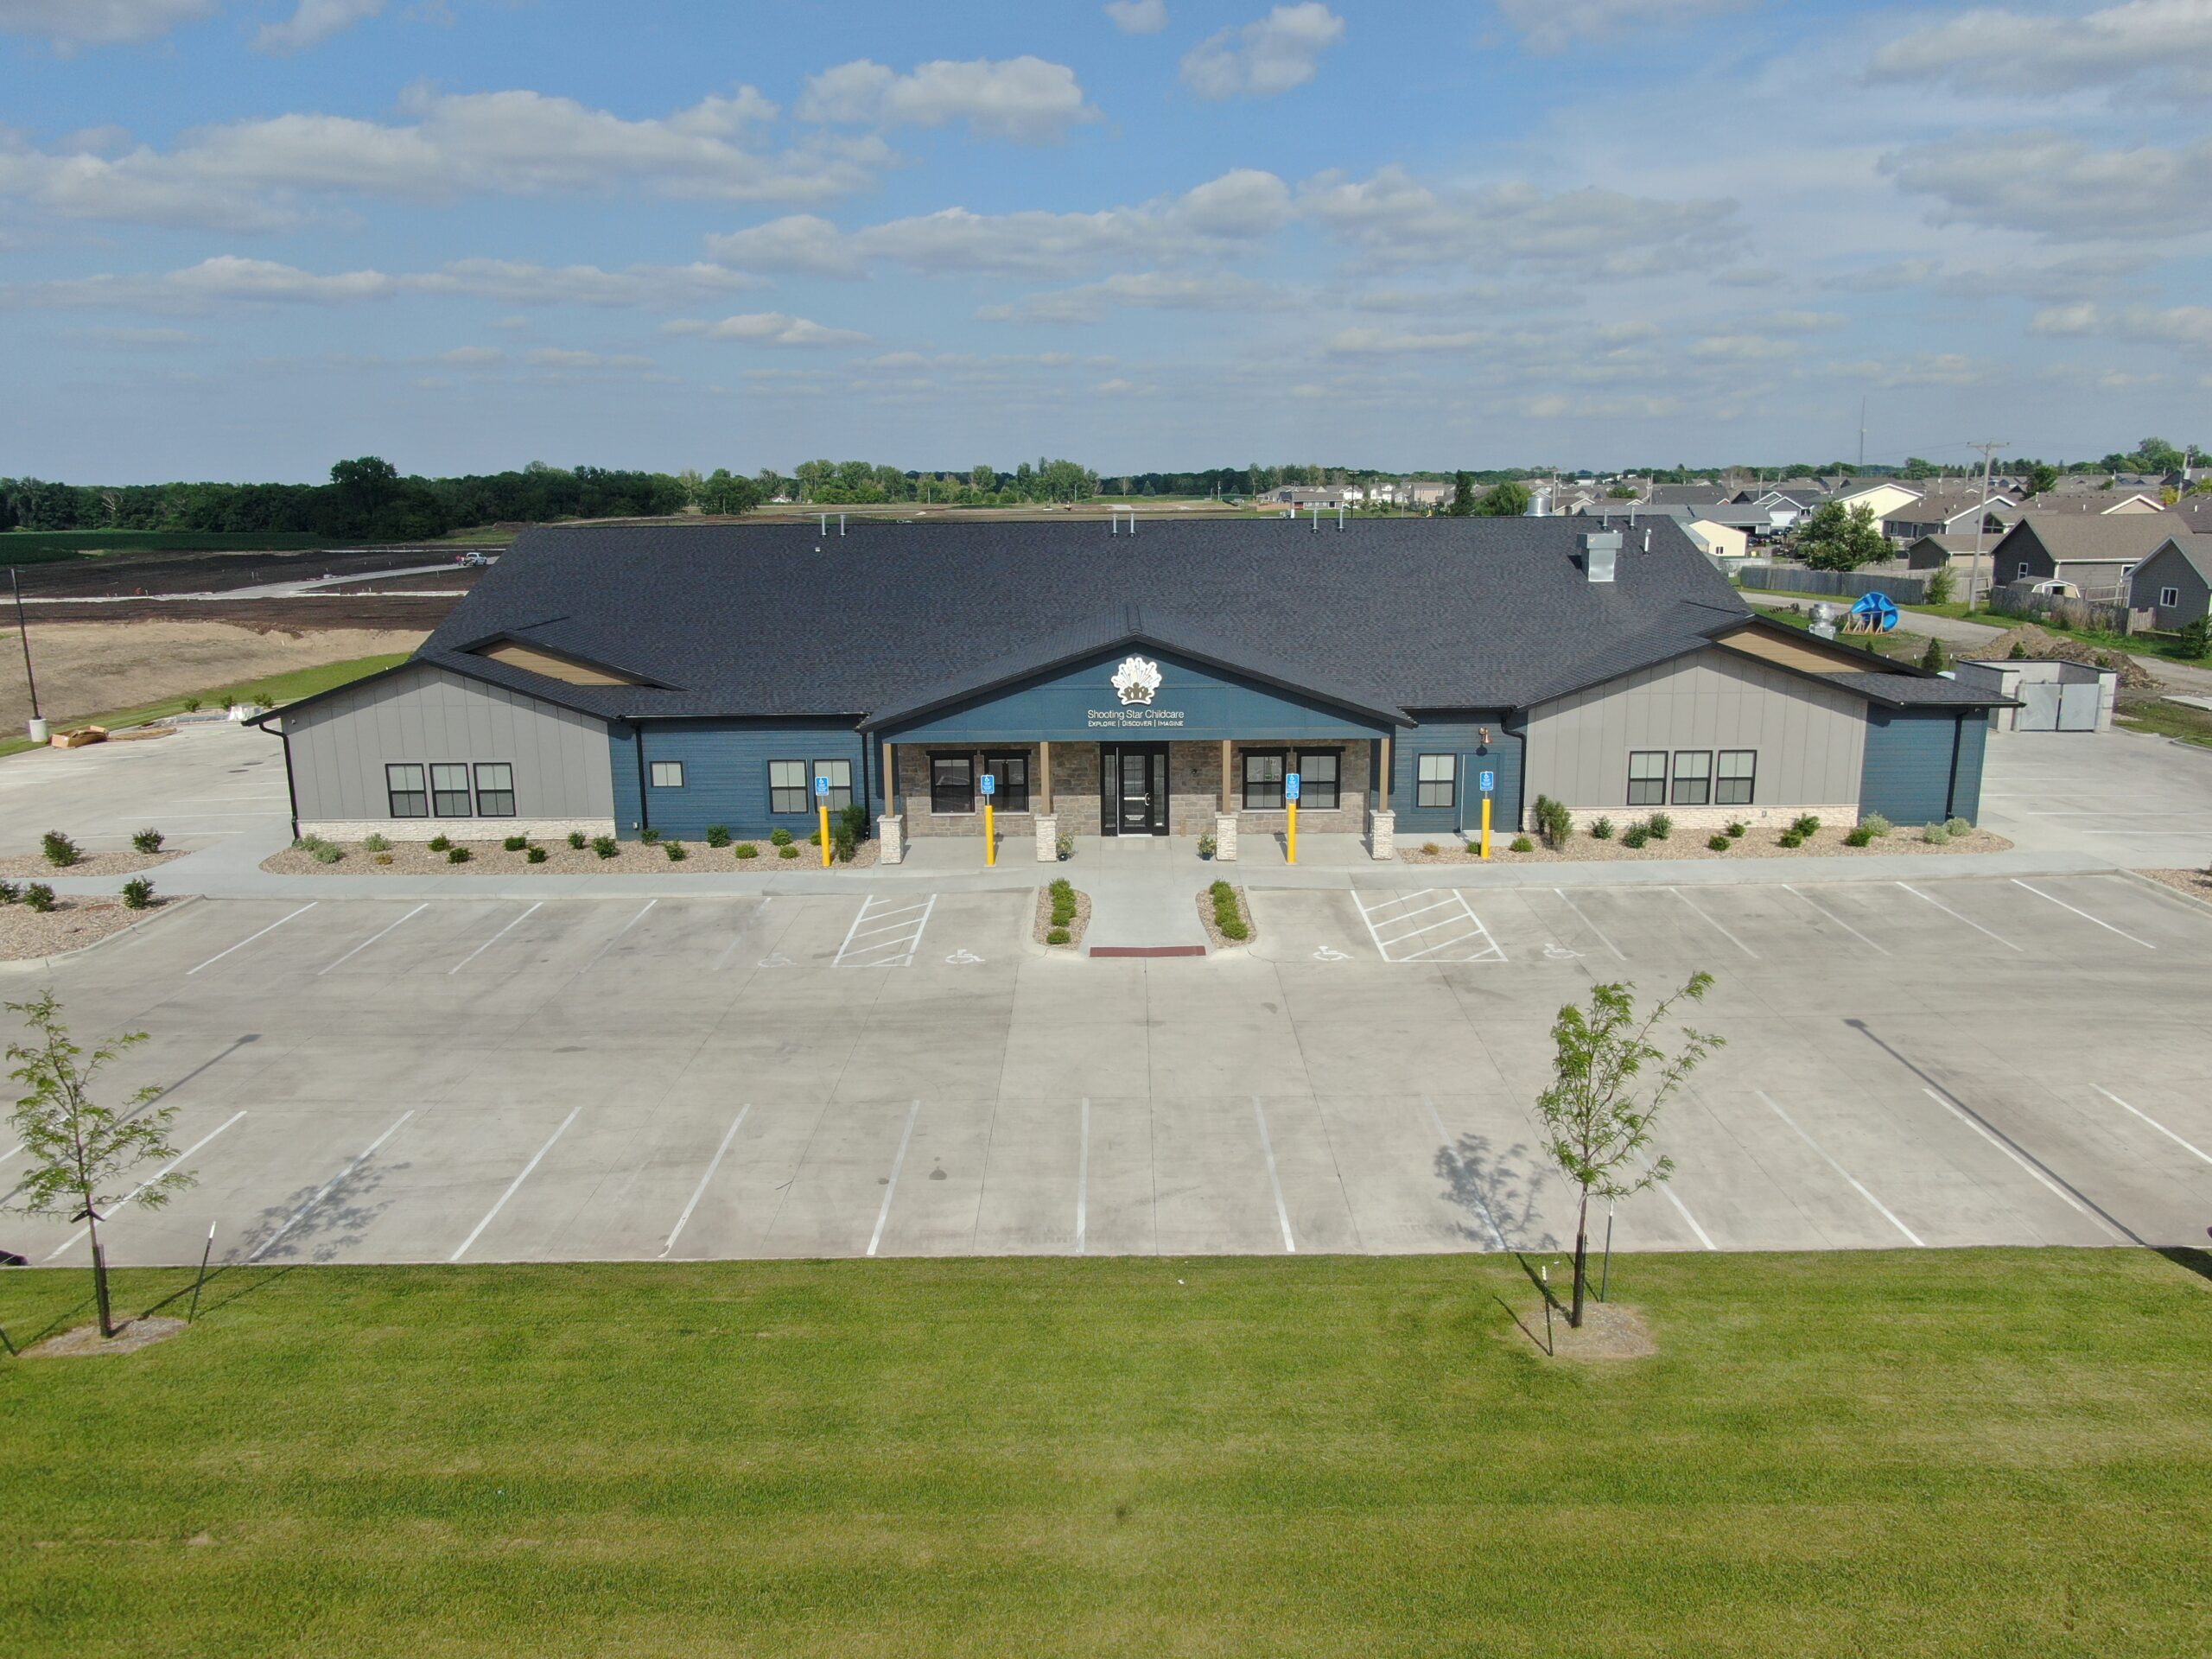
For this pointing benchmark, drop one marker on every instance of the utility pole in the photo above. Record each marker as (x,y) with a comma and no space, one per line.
(1862,434)
(23,632)
(1981,519)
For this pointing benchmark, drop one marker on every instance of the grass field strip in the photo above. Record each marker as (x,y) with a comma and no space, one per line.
(1828,1159)
(1404,929)
(329,1186)
(885,934)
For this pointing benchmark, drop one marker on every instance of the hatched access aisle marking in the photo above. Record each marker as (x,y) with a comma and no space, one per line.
(885,934)
(1435,924)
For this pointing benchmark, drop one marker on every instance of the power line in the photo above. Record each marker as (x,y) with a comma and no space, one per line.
(1981,519)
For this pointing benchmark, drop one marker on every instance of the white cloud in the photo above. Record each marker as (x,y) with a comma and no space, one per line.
(555,357)
(1149,290)
(228,279)
(1802,322)
(1741,348)
(1391,342)
(99,22)
(1138,16)
(2187,326)
(2053,186)
(1024,98)
(473,356)
(798,242)
(1552,406)
(315,22)
(1279,52)
(1884,278)
(769,328)
(1922,369)
(2165,46)
(1554,25)
(517,283)
(254,175)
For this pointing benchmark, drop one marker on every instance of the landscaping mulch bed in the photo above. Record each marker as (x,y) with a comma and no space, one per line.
(132,1336)
(1076,928)
(1827,843)
(1215,936)
(492,858)
(1610,1331)
(2195,883)
(32,866)
(72,923)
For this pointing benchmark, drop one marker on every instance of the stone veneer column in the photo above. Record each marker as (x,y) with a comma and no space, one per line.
(891,833)
(1383,834)
(1048,838)
(1225,837)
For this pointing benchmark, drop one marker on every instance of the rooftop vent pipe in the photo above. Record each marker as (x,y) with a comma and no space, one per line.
(1599,548)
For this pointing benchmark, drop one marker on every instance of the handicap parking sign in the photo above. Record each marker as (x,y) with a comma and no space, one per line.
(990,785)
(1290,787)
(821,786)
(1488,780)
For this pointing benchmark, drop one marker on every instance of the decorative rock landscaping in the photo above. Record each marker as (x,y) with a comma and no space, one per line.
(315,856)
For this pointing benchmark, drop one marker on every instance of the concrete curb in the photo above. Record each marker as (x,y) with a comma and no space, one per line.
(33,964)
(2165,891)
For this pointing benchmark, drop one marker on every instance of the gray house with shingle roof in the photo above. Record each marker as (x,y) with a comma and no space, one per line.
(2175,583)
(2095,551)
(616,679)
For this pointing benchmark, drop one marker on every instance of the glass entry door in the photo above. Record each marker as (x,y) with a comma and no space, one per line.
(1135,779)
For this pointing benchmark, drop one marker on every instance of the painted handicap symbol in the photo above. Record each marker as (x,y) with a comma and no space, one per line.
(1559,953)
(1328,953)
(779,960)
(963,958)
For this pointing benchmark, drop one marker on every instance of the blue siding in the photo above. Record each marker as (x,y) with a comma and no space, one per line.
(1909,753)
(1460,734)
(725,775)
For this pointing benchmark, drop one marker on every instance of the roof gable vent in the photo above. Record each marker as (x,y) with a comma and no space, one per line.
(1600,548)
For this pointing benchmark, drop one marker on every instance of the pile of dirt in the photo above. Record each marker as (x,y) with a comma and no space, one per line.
(2046,647)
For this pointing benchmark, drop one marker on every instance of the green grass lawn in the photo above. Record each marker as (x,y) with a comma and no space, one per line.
(1887,1455)
(2164,719)
(269,689)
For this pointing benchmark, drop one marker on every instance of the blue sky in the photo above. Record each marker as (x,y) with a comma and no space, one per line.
(239,238)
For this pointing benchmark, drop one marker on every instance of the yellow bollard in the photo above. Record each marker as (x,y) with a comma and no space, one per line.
(825,832)
(1485,826)
(1290,838)
(990,835)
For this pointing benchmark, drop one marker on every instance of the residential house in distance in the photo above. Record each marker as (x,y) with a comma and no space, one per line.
(2093,501)
(1884,498)
(1699,494)
(1949,512)
(2095,551)
(2175,583)
(1953,548)
(2194,512)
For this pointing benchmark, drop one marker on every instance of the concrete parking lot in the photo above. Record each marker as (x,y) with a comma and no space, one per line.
(1968,1060)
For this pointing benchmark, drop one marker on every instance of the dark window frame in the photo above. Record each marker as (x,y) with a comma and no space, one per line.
(777,791)
(420,794)
(1450,781)
(815,770)
(1271,789)
(439,797)
(1010,800)
(964,757)
(1722,780)
(653,774)
(488,799)
(1657,782)
(1700,780)
(1307,798)
(2170,597)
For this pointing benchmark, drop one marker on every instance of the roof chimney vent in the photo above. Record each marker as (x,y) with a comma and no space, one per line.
(1599,548)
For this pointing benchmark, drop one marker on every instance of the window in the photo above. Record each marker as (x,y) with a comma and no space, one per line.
(495,790)
(952,782)
(449,791)
(1692,776)
(1733,782)
(667,774)
(2168,595)
(1436,782)
(1263,772)
(1317,779)
(2024,570)
(1647,778)
(787,785)
(403,787)
(1011,771)
(840,774)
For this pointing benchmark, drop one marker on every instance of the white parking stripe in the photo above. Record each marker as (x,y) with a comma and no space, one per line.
(2152,1122)
(1587,923)
(1083,1178)
(1452,1151)
(1982,1129)
(1839,921)
(372,939)
(1825,1158)
(325,1190)
(886,943)
(1703,1237)
(700,1191)
(1716,926)
(1968,921)
(1398,943)
(516,1184)
(1282,1211)
(250,937)
(150,1180)
(891,1187)
(496,937)
(744,929)
(619,932)
(2085,915)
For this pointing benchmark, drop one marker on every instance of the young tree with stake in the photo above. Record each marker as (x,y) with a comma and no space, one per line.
(82,1151)
(1597,1120)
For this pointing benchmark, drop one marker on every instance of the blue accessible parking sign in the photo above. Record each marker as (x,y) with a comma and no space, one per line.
(1290,787)
(821,787)
(1488,781)
(990,785)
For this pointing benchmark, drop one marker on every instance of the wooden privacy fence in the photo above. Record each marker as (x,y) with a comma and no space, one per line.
(1798,579)
(2092,615)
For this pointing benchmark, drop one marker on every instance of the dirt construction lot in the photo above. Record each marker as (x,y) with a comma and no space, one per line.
(1953,1061)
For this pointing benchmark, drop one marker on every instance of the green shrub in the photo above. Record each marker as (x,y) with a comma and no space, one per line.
(851,822)
(678,852)
(440,843)
(780,836)
(1935,659)
(191,705)
(746,850)
(138,893)
(1789,838)
(1554,822)
(60,850)
(1057,936)
(1474,849)
(576,839)
(1935,834)
(1718,843)
(1661,826)
(1942,583)
(605,846)
(516,843)
(535,856)
(786,850)
(2196,637)
(375,844)
(1806,827)
(9,892)
(842,846)
(1635,836)
(1859,836)
(1875,825)
(1431,849)
(649,835)
(1602,830)
(2019,652)
(1208,845)
(384,858)
(39,897)
(1063,891)
(326,852)
(813,840)
(1523,844)
(718,834)
(457,854)
(1958,826)
(147,841)
(1226,916)
(1736,830)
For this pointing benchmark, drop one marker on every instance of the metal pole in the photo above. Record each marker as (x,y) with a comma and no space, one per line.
(23,632)
(1605,1272)
(1980,521)
(209,1251)
(1546,1275)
